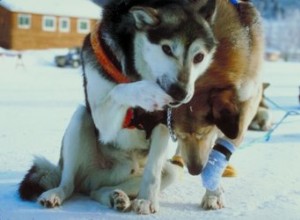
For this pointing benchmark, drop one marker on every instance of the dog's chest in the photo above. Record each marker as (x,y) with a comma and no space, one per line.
(132,139)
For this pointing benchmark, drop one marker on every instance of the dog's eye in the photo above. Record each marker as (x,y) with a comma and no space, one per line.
(167,50)
(198,58)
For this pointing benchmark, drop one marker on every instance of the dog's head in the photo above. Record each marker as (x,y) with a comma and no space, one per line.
(174,44)
(198,123)
(196,146)
(196,135)
(195,142)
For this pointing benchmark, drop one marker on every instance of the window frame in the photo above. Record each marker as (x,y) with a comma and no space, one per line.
(50,29)
(24,26)
(87,21)
(61,28)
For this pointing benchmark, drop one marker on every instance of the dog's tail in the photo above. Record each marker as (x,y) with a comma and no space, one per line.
(41,177)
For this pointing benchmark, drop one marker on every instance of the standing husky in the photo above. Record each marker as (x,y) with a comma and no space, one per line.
(143,56)
(226,96)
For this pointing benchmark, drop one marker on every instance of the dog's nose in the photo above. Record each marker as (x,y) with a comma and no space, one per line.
(194,169)
(177,92)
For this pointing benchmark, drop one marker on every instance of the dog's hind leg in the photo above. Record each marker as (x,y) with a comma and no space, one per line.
(78,139)
(56,196)
(53,184)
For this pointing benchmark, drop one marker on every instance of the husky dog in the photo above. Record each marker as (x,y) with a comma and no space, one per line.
(227,95)
(143,56)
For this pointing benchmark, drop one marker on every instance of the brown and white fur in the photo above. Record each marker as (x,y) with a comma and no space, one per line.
(162,47)
(263,119)
(227,95)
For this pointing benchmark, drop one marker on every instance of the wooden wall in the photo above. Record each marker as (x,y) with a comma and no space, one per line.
(5,28)
(37,38)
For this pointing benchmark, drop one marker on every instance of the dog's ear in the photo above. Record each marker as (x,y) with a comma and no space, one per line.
(144,16)
(208,10)
(225,112)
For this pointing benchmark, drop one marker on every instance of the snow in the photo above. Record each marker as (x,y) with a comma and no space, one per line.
(37,101)
(72,8)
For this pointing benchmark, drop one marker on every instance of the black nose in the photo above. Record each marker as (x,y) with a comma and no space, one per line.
(177,92)
(194,169)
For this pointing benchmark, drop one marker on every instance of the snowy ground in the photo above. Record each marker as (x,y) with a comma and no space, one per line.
(37,101)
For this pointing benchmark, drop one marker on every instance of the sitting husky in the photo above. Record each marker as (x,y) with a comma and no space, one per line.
(143,56)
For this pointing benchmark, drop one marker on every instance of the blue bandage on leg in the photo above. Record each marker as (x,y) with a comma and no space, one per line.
(217,162)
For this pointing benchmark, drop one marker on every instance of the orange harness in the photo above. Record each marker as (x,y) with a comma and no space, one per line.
(110,69)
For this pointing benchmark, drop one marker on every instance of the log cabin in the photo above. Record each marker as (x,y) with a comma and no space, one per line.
(36,24)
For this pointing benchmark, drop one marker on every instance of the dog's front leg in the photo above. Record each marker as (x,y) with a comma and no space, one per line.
(213,199)
(147,200)
(109,101)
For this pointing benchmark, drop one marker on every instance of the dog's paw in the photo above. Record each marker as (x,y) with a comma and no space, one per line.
(144,207)
(50,199)
(145,94)
(151,97)
(120,201)
(213,201)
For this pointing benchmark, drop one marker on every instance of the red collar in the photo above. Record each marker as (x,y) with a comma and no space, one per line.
(110,69)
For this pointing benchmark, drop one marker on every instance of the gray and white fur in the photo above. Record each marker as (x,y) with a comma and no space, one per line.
(162,47)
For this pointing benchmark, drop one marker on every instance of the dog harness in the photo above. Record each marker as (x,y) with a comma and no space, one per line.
(110,69)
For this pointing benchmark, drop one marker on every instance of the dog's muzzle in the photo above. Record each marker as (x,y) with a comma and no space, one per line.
(194,169)
(179,94)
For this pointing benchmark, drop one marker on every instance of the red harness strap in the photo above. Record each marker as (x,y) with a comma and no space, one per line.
(110,69)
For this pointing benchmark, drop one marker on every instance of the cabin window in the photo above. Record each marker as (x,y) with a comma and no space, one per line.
(64,25)
(24,21)
(83,26)
(49,23)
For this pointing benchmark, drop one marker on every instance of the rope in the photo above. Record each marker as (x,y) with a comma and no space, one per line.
(268,135)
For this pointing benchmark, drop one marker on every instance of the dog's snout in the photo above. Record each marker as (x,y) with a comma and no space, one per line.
(177,92)
(194,169)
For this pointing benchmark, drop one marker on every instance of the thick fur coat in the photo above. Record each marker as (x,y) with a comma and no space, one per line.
(161,47)
(227,95)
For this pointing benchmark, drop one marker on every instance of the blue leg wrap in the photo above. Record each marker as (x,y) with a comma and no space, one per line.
(217,162)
